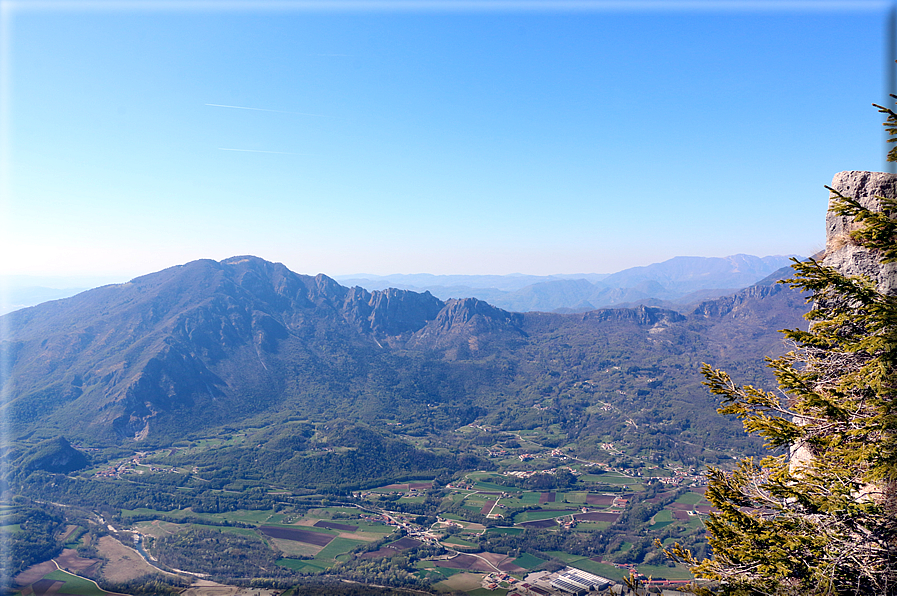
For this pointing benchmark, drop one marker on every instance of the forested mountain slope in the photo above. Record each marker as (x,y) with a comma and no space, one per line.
(208,344)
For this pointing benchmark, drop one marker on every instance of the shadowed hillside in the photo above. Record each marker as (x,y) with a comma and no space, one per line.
(208,344)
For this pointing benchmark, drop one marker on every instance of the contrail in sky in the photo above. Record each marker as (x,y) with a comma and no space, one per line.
(260,151)
(218,105)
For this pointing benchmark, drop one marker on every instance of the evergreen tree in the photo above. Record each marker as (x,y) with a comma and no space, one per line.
(823,521)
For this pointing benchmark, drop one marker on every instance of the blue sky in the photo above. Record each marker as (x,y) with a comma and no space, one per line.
(404,138)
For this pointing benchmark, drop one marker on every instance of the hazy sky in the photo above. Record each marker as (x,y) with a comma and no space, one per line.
(426,137)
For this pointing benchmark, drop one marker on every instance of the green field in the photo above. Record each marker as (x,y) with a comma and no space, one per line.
(690,498)
(481,475)
(282,519)
(228,529)
(374,528)
(327,512)
(458,541)
(301,565)
(437,574)
(562,556)
(537,515)
(337,546)
(529,498)
(512,531)
(592,526)
(662,520)
(695,522)
(608,571)
(74,584)
(492,487)
(609,478)
(528,561)
(243,515)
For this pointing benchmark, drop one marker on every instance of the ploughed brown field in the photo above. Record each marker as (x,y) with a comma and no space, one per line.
(391,549)
(46,586)
(34,573)
(503,562)
(487,507)
(476,563)
(599,500)
(70,561)
(336,526)
(297,535)
(547,498)
(405,543)
(466,562)
(681,514)
(542,523)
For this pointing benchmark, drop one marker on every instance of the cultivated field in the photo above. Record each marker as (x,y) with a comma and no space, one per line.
(123,563)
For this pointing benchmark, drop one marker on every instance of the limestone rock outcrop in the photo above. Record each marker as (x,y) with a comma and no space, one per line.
(845,255)
(841,252)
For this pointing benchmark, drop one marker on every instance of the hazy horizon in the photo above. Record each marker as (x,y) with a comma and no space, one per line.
(411,137)
(91,281)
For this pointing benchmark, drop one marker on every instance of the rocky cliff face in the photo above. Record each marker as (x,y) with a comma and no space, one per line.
(735,304)
(842,253)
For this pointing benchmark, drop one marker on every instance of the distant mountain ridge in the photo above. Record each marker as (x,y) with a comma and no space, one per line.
(199,337)
(679,283)
(209,343)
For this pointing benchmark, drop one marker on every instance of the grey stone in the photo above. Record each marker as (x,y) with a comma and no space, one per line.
(841,251)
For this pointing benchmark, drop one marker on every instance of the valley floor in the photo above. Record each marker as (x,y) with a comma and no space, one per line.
(481,533)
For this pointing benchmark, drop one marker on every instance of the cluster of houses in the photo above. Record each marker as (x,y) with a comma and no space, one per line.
(129,466)
(492,581)
(526,456)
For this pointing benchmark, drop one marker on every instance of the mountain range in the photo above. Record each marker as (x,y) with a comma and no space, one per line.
(215,345)
(679,284)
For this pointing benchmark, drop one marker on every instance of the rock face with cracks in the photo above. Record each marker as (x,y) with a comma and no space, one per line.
(841,252)
(849,258)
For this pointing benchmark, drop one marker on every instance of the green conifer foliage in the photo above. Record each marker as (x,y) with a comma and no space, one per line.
(824,522)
